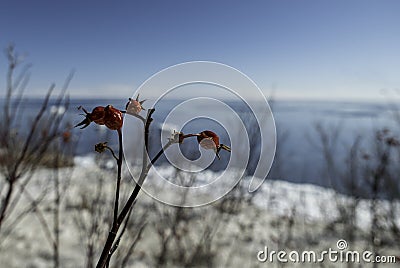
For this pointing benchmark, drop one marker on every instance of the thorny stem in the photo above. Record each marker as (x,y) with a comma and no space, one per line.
(177,139)
(119,163)
(115,246)
(160,153)
(143,173)
(106,253)
(107,250)
(116,243)
(110,247)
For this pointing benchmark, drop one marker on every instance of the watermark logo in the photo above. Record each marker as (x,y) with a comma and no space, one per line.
(341,244)
(200,96)
(340,254)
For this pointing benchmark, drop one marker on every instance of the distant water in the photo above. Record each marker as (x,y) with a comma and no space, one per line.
(300,158)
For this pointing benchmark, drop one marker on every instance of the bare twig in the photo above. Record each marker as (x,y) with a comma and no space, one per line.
(132,245)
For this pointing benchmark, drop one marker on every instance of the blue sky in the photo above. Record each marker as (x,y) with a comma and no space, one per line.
(299,49)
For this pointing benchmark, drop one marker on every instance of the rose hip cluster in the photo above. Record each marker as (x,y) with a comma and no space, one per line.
(108,116)
(112,118)
(208,140)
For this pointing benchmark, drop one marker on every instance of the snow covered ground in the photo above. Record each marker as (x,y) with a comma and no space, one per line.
(281,215)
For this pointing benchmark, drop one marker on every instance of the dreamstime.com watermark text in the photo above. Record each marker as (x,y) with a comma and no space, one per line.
(339,254)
